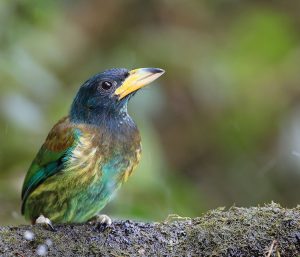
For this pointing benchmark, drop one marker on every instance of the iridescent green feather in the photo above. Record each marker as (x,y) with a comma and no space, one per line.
(49,159)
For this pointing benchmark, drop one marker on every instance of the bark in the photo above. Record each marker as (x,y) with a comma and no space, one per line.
(257,231)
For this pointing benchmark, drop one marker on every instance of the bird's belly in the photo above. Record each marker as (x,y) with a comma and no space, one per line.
(86,201)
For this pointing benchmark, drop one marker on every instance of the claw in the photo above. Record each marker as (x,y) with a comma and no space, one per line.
(45,221)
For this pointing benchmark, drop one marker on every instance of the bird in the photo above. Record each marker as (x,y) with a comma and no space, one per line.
(89,153)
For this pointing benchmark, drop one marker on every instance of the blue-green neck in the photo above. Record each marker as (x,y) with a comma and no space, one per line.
(111,117)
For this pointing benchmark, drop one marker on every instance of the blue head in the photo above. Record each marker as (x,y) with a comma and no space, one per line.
(105,95)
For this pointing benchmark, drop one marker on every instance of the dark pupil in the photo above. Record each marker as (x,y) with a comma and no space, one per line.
(106,85)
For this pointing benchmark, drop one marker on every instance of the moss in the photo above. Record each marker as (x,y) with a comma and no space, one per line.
(220,232)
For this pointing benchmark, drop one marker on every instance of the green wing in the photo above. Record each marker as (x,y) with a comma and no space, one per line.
(50,158)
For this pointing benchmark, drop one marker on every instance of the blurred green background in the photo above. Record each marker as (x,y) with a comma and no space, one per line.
(220,128)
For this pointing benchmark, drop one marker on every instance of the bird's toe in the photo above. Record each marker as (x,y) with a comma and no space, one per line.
(45,221)
(101,221)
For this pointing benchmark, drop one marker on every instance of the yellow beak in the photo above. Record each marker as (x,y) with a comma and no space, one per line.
(137,79)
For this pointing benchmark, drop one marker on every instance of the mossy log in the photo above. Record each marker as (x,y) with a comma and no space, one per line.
(258,231)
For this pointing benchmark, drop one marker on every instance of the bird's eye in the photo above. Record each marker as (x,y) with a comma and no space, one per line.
(106,85)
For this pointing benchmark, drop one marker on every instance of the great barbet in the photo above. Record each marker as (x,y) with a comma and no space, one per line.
(88,154)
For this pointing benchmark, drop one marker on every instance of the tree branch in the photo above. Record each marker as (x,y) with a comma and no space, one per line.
(258,231)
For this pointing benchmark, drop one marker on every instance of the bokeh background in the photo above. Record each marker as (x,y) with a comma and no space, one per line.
(220,128)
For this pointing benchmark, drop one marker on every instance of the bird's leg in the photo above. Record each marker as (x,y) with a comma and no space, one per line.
(101,221)
(44,221)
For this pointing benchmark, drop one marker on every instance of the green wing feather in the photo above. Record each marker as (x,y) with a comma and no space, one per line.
(50,158)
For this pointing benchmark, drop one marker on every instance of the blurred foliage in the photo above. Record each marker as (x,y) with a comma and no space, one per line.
(222,127)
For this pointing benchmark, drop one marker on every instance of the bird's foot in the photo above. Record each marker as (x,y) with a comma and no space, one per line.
(102,222)
(45,221)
